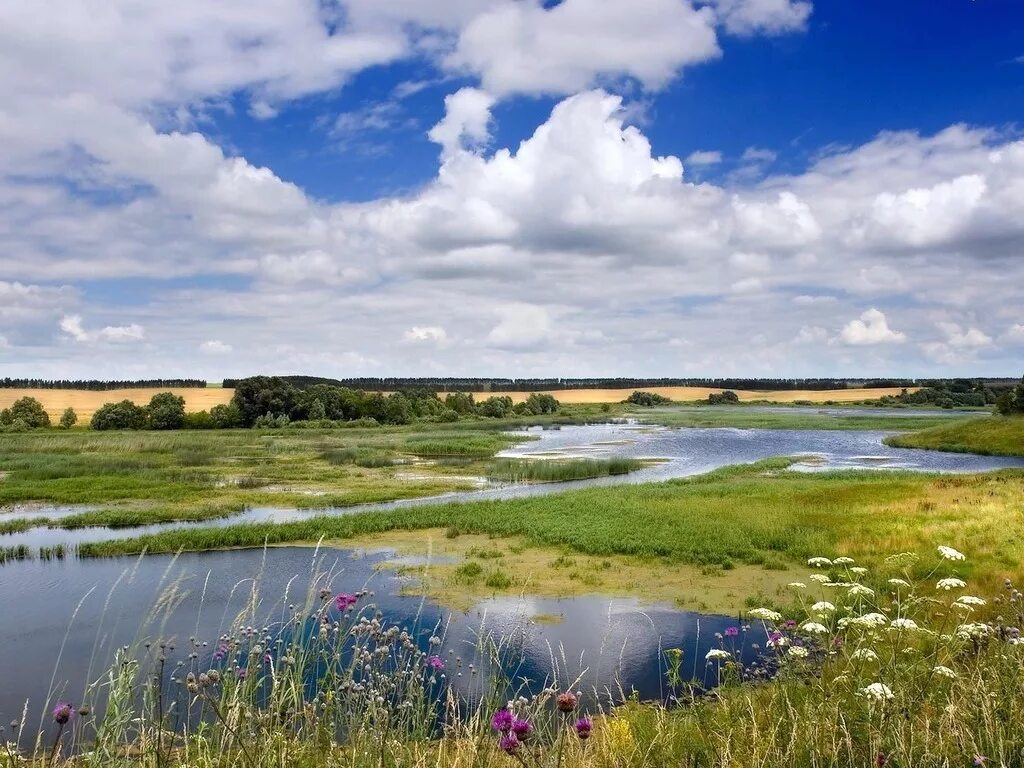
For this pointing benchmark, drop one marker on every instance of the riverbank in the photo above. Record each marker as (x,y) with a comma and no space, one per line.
(994,436)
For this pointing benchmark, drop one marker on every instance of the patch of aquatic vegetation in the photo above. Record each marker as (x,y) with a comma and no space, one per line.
(560,470)
(877,666)
(1000,436)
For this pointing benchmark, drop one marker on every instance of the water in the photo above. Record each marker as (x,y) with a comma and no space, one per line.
(611,644)
(63,621)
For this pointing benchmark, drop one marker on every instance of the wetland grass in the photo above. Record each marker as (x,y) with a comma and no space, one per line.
(560,470)
(997,435)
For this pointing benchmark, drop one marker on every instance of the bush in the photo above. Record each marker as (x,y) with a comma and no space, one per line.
(27,411)
(68,419)
(199,420)
(226,416)
(122,415)
(166,411)
(728,397)
(648,399)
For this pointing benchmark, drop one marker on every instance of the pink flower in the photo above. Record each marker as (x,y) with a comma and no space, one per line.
(344,601)
(583,726)
(62,712)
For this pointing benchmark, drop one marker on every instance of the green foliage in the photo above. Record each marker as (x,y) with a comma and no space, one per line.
(495,407)
(560,470)
(198,420)
(259,396)
(460,402)
(1011,401)
(226,416)
(68,419)
(538,403)
(166,411)
(728,397)
(122,415)
(990,436)
(26,413)
(647,399)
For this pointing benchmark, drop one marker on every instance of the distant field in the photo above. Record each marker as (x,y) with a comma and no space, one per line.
(701,393)
(85,402)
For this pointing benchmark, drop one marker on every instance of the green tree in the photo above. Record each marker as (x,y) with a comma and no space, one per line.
(68,419)
(225,416)
(538,403)
(460,402)
(259,395)
(30,411)
(316,411)
(166,411)
(122,415)
(496,407)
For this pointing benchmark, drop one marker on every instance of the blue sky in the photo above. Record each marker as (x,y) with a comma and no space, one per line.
(504,187)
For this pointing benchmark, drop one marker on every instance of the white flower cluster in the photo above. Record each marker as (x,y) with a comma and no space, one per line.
(798,651)
(717,654)
(814,628)
(819,562)
(973,631)
(948,553)
(864,654)
(822,607)
(766,614)
(950,583)
(877,692)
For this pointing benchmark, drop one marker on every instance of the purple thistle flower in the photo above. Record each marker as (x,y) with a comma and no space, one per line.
(344,601)
(732,631)
(509,743)
(980,760)
(521,727)
(62,712)
(502,720)
(242,673)
(583,726)
(881,759)
(790,623)
(436,663)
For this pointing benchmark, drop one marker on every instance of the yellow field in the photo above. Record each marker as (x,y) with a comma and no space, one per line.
(701,393)
(85,402)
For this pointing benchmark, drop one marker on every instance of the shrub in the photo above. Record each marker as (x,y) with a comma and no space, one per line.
(226,416)
(728,397)
(647,399)
(122,415)
(166,411)
(199,420)
(27,411)
(68,419)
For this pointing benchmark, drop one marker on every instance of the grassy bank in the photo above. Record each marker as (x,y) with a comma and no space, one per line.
(560,470)
(999,435)
(751,417)
(757,515)
(872,668)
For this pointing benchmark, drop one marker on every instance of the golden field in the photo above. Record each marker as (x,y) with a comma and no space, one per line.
(85,402)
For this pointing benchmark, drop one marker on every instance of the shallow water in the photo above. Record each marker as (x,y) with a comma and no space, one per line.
(91,607)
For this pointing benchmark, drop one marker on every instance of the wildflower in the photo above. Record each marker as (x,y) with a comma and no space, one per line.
(583,726)
(843,560)
(344,601)
(821,578)
(62,712)
(881,759)
(864,654)
(950,582)
(509,743)
(970,600)
(325,594)
(859,570)
(819,562)
(944,672)
(899,583)
(876,619)
(823,606)
(790,623)
(717,654)
(732,631)
(814,628)
(948,553)
(242,673)
(566,702)
(877,692)
(907,624)
(973,631)
(502,720)
(859,590)
(766,614)
(436,663)
(796,585)
(521,728)
(798,652)
(980,760)
(620,735)
(777,640)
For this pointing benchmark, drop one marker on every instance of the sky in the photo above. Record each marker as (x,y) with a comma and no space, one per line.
(778,188)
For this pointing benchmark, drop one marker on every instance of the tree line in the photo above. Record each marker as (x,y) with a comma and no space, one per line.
(98,385)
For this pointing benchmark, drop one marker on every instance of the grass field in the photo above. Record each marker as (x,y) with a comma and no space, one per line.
(1002,436)
(748,417)
(756,515)
(86,402)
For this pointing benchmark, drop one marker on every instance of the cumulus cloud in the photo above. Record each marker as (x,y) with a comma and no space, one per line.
(870,328)
(465,122)
(214,347)
(748,17)
(522,326)
(525,47)
(71,325)
(704,157)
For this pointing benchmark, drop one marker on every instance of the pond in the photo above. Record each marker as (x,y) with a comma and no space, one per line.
(63,620)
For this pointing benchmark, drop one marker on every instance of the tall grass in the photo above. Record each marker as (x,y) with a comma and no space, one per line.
(863,668)
(560,470)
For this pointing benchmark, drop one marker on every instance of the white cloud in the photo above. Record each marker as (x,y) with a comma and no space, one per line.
(215,347)
(758,155)
(465,122)
(4,343)
(748,17)
(704,157)
(522,326)
(71,325)
(870,328)
(426,333)
(523,47)
(957,336)
(1014,334)
(811,334)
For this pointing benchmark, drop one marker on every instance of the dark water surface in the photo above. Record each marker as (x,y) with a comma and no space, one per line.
(63,620)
